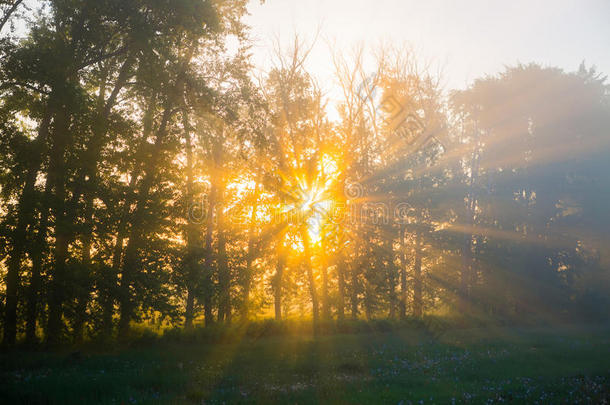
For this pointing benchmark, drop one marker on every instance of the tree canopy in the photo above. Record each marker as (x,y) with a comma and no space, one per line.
(149,176)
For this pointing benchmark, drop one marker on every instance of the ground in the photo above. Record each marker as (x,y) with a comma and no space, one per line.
(490,365)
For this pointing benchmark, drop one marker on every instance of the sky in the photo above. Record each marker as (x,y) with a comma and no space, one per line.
(466,39)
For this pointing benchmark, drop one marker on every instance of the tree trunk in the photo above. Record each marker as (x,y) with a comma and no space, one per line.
(368,299)
(58,173)
(24,218)
(393,299)
(208,286)
(277,279)
(9,12)
(417,278)
(193,239)
(354,292)
(391,275)
(325,303)
(80,316)
(466,274)
(310,279)
(84,286)
(87,186)
(341,282)
(250,255)
(224,274)
(467,268)
(404,293)
(189,310)
(109,296)
(37,254)
(131,266)
(132,261)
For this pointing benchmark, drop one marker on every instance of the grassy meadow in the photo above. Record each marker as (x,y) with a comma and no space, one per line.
(386,363)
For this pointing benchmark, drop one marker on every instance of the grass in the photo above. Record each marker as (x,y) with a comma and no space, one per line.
(565,364)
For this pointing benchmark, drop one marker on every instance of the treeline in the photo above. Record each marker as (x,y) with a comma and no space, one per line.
(148,175)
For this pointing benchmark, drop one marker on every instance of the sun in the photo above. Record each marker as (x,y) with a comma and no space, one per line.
(309,204)
(320,206)
(318,199)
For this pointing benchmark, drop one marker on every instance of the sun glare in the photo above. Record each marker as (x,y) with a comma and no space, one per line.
(313,201)
(319,199)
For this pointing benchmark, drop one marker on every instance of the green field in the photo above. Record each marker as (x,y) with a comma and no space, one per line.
(515,365)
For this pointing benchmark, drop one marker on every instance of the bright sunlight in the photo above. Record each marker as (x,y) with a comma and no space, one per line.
(282,201)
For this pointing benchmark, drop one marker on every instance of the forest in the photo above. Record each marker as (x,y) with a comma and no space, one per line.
(178,225)
(149,176)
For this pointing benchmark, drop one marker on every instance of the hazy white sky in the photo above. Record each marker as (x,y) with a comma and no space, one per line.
(469,38)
